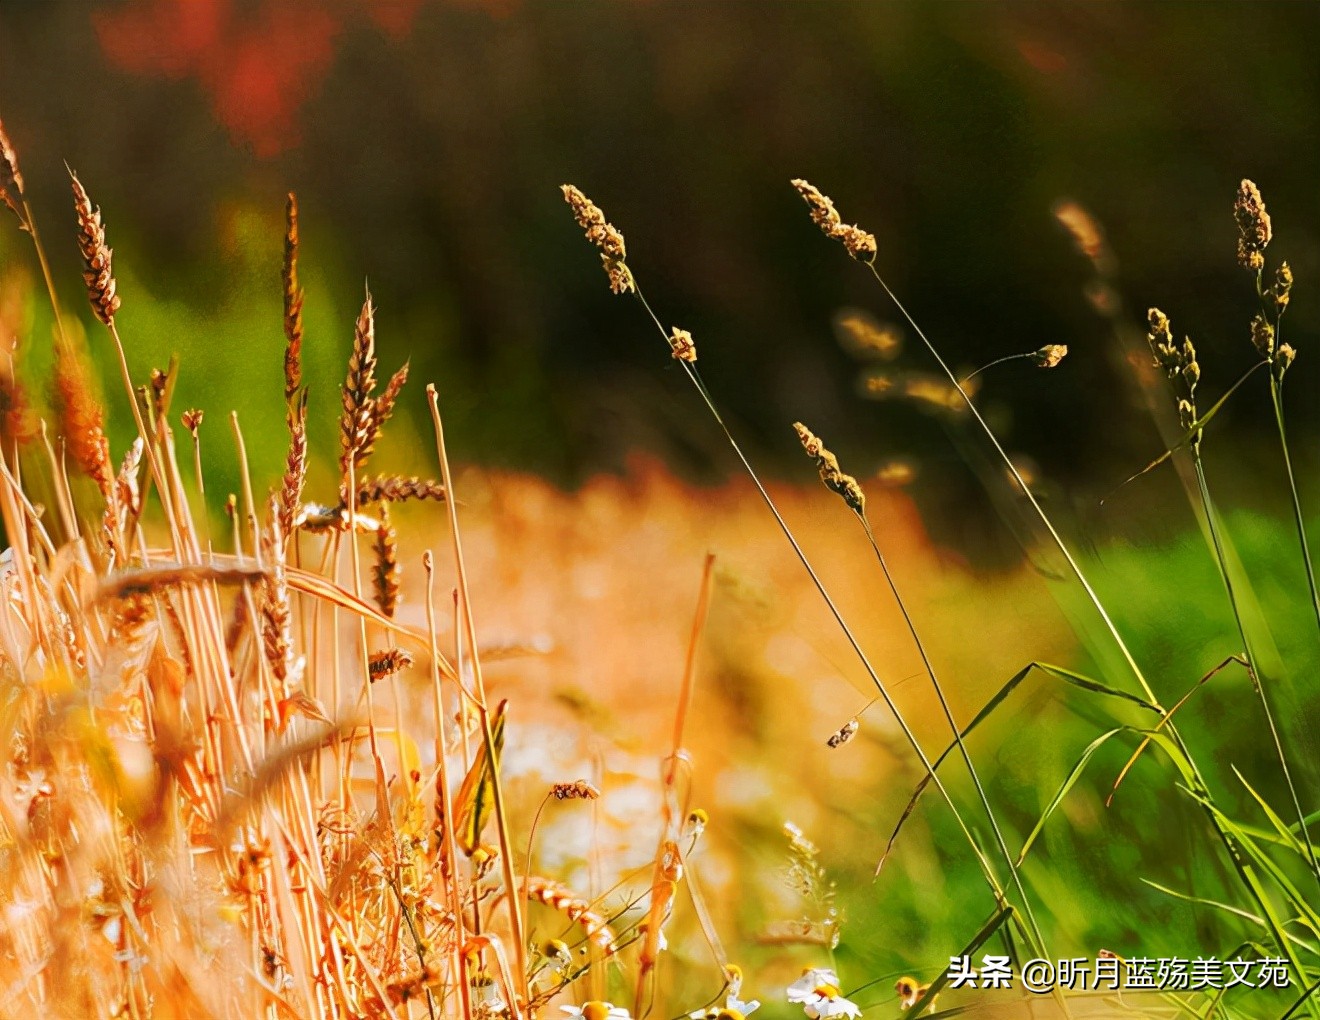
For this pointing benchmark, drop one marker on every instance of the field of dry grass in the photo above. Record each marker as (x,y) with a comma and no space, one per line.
(468,745)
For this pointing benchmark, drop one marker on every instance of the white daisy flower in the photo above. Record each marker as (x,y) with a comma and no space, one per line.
(804,988)
(597,1010)
(734,975)
(817,991)
(490,997)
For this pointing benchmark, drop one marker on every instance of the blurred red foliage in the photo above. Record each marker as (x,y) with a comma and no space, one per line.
(258,63)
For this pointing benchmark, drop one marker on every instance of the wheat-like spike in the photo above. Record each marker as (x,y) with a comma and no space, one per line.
(359,404)
(11,180)
(559,897)
(388,398)
(97,255)
(295,470)
(396,489)
(276,633)
(385,572)
(82,419)
(293,302)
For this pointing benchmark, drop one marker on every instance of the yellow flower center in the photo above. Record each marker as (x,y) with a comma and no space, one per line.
(828,991)
(595,1010)
(729,1014)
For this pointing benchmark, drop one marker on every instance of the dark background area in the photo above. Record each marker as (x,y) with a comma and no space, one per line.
(427,141)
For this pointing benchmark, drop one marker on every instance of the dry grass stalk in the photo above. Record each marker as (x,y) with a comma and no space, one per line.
(18,425)
(396,489)
(293,302)
(98,273)
(385,571)
(558,896)
(11,180)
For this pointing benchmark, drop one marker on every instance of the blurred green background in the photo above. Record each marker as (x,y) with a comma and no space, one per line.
(427,141)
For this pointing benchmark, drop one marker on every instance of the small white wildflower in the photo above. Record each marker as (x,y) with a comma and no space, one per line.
(594,1009)
(817,991)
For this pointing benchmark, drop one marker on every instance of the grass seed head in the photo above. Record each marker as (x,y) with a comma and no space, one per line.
(577,790)
(604,235)
(860,244)
(397,488)
(1254,229)
(191,420)
(845,734)
(98,273)
(1050,355)
(385,571)
(387,663)
(293,302)
(680,340)
(833,477)
(11,180)
(81,417)
(1279,293)
(1262,336)
(358,418)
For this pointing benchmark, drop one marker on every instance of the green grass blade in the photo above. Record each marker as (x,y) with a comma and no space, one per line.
(1067,785)
(978,940)
(1068,676)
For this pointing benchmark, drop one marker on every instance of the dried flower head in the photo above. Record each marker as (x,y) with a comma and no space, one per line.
(859,243)
(1262,336)
(845,734)
(1254,230)
(603,235)
(1178,362)
(192,419)
(680,340)
(1283,357)
(1050,355)
(1279,293)
(577,790)
(11,181)
(387,663)
(834,478)
(97,255)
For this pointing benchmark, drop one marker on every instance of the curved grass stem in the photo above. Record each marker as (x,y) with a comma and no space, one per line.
(953,724)
(696,380)
(1257,681)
